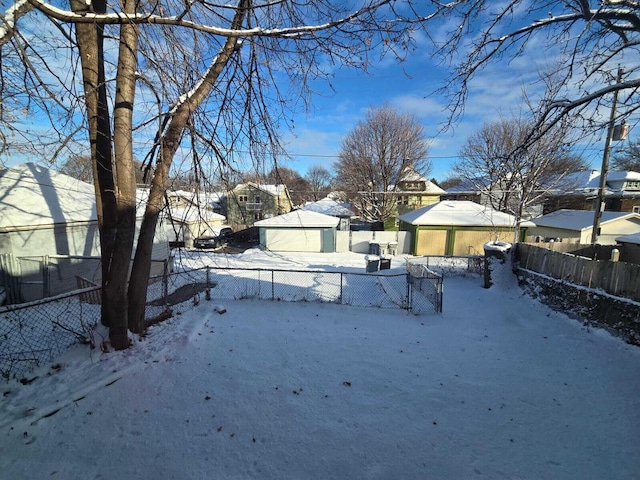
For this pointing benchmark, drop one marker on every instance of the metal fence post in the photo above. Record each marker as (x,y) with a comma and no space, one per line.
(409,299)
(341,281)
(46,289)
(273,294)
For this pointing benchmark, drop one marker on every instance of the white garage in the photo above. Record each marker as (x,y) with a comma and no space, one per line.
(299,231)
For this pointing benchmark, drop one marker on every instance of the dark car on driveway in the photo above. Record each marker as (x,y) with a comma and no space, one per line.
(214,241)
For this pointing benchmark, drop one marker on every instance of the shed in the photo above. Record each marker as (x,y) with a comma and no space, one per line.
(630,247)
(456,227)
(575,226)
(299,231)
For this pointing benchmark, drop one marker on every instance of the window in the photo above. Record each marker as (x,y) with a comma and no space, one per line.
(636,209)
(242,198)
(633,185)
(257,200)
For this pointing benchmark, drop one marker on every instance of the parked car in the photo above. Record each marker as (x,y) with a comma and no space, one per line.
(220,238)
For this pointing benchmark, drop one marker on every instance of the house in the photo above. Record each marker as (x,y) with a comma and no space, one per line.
(192,214)
(251,202)
(330,207)
(201,199)
(575,226)
(299,231)
(457,227)
(498,195)
(190,222)
(578,190)
(414,191)
(49,233)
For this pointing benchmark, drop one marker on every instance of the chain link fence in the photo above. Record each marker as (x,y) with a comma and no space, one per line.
(38,331)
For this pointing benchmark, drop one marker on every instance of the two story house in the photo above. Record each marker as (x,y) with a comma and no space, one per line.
(414,191)
(250,202)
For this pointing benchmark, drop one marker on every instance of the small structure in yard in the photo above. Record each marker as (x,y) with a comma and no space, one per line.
(630,247)
(299,231)
(575,226)
(457,227)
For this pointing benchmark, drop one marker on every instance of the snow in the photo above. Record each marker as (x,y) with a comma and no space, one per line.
(299,218)
(498,386)
(458,213)
(579,219)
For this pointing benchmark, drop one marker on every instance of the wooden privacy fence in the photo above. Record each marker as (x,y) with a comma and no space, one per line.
(617,278)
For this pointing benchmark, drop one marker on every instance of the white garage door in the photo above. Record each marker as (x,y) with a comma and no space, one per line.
(293,240)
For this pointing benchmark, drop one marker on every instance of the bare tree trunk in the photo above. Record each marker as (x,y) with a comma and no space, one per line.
(90,45)
(116,292)
(169,144)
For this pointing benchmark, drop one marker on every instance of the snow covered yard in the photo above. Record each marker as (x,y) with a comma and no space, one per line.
(497,386)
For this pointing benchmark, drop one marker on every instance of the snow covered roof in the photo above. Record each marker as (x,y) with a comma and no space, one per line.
(299,218)
(32,194)
(631,238)
(329,207)
(194,214)
(623,176)
(459,213)
(578,219)
(582,181)
(275,190)
(201,198)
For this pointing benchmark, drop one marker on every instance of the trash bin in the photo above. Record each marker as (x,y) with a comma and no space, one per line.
(385,262)
(383,248)
(393,248)
(373,262)
(374,248)
(494,252)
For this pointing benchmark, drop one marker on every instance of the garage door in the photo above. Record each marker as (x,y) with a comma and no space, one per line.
(431,242)
(293,240)
(471,242)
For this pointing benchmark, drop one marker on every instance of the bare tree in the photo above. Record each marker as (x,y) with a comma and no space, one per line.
(319,180)
(586,38)
(627,158)
(513,177)
(157,74)
(374,155)
(79,167)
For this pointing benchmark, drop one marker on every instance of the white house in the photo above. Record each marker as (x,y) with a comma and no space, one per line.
(299,231)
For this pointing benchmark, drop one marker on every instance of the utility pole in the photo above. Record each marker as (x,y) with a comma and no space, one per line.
(605,164)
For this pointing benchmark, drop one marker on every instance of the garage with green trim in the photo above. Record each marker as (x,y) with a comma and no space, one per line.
(457,228)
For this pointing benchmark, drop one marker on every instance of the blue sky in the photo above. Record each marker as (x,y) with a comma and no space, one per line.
(412,88)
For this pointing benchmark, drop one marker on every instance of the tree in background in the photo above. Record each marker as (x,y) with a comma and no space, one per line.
(158,74)
(627,158)
(373,156)
(319,180)
(81,167)
(496,161)
(299,188)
